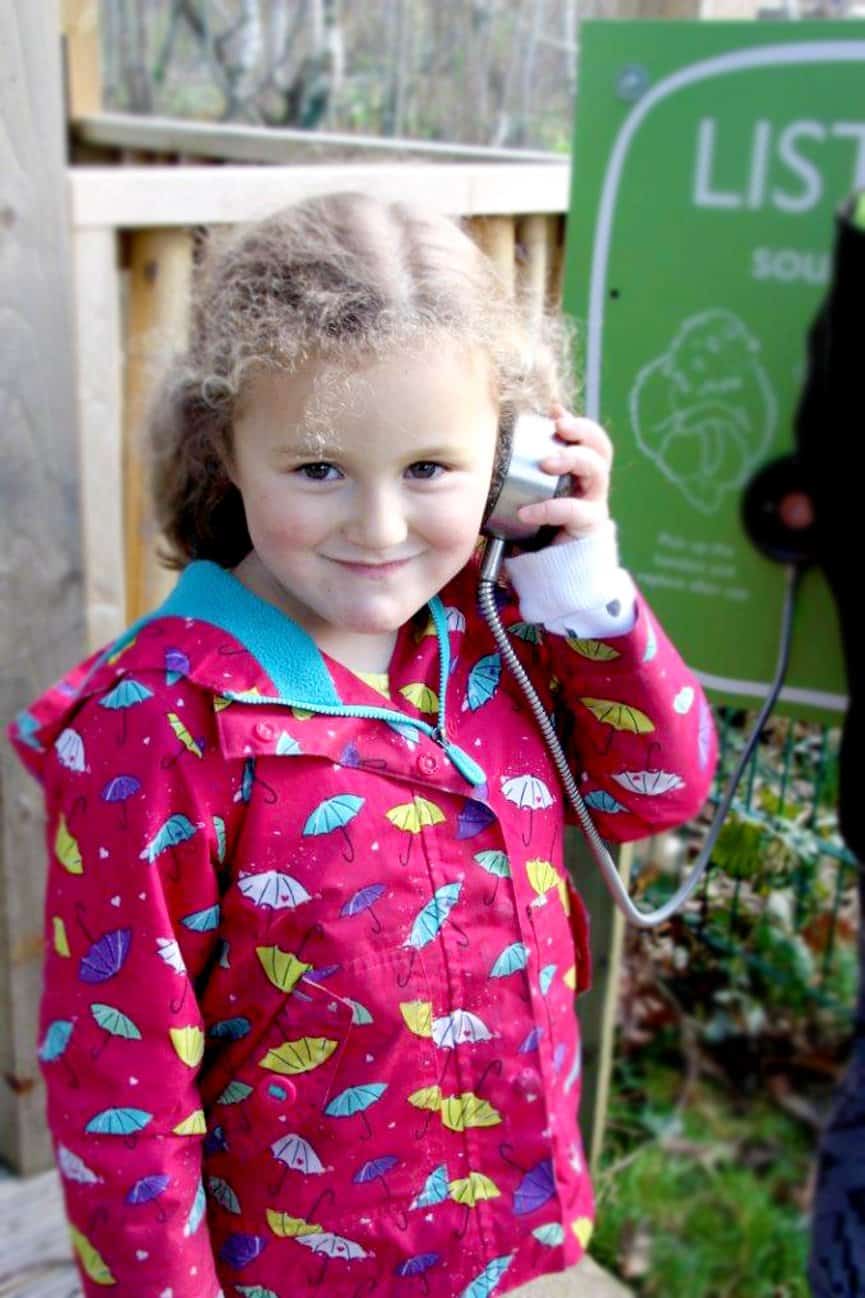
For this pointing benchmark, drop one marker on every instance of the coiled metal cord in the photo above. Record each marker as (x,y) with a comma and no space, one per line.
(644,919)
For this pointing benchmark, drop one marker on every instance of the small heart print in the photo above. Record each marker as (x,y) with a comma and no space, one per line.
(133,1081)
(683,700)
(146,740)
(167,1293)
(141,1254)
(115,901)
(370,1058)
(141,896)
(102,853)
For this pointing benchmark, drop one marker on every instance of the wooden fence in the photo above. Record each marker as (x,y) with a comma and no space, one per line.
(123,263)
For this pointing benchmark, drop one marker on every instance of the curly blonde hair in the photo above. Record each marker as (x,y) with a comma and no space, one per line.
(337,277)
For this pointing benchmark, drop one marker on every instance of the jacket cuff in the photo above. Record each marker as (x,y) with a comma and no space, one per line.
(576,586)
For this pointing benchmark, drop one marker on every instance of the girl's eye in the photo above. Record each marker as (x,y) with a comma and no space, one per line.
(317,472)
(426,469)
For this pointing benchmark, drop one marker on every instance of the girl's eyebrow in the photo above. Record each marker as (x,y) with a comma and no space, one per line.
(323,452)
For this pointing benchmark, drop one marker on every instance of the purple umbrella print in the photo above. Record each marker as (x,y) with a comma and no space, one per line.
(107,954)
(176,665)
(376,1170)
(364,900)
(240,1249)
(118,790)
(473,819)
(418,1265)
(148,1189)
(537,1186)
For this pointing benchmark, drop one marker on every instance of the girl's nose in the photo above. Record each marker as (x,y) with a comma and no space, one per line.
(378,522)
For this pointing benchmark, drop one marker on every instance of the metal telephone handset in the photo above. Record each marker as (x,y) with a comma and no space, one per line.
(523,482)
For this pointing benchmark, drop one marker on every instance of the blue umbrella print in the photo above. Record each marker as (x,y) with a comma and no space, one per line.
(364,900)
(428,922)
(483,1284)
(483,681)
(127,694)
(357,1099)
(54,1045)
(377,1170)
(125,1121)
(335,813)
(248,779)
(435,1188)
(148,1189)
(497,864)
(177,829)
(118,790)
(418,1265)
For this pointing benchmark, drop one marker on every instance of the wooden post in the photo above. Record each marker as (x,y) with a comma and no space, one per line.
(497,237)
(83,57)
(159,287)
(100,421)
(42,629)
(533,242)
(597,1009)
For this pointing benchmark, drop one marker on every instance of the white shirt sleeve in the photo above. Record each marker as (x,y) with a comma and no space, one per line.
(576,588)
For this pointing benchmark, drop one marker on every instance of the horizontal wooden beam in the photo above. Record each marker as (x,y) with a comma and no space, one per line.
(155,196)
(240,143)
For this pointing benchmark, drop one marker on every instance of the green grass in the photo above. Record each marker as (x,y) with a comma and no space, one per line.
(700,1202)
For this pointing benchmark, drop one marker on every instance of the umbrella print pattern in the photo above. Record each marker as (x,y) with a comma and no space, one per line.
(331,977)
(128,694)
(529,794)
(335,813)
(412,817)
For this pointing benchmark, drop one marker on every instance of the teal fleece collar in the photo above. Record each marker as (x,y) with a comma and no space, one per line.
(288,655)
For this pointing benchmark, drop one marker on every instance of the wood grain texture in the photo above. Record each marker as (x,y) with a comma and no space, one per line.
(137,198)
(100,421)
(42,630)
(160,277)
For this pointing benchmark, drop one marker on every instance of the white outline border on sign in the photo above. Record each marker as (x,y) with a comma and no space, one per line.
(835,51)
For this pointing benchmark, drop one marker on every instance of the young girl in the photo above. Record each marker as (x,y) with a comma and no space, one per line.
(312,952)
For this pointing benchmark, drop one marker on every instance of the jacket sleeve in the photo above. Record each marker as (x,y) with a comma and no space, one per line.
(137,812)
(632,717)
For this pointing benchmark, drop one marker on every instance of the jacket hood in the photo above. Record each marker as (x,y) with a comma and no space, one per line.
(272,660)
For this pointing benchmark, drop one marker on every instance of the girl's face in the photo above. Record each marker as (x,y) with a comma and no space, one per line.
(364,489)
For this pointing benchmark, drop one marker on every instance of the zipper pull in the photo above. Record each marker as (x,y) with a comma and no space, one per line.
(466,765)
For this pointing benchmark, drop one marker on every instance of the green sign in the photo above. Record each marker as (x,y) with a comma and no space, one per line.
(709,160)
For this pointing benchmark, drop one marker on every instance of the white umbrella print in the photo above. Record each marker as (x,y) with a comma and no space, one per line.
(529,793)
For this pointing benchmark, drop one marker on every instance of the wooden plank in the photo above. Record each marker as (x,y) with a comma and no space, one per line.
(229,140)
(80,19)
(597,1009)
(496,235)
(100,423)
(533,242)
(138,198)
(42,629)
(159,289)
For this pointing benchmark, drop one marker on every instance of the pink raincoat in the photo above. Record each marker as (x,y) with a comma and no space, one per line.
(311,952)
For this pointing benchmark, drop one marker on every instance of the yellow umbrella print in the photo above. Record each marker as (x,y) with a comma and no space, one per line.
(412,817)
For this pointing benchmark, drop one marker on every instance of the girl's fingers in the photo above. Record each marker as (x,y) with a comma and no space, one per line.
(583,463)
(576,515)
(576,428)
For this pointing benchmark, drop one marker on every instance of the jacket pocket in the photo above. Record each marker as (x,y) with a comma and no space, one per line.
(333,1090)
